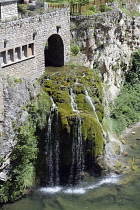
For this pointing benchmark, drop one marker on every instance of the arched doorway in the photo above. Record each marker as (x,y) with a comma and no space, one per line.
(54,51)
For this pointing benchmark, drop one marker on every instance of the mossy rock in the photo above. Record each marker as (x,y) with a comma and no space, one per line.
(92,131)
(59,87)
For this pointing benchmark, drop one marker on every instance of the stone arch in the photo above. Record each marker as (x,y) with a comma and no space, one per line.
(54,51)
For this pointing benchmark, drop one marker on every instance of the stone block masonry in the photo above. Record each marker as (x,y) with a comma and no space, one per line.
(19,34)
(23,41)
(8,9)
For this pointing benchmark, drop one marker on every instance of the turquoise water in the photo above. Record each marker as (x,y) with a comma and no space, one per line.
(113,192)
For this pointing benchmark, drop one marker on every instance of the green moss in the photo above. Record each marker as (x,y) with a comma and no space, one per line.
(65,110)
(48,83)
(61,96)
(92,131)
(59,87)
(79,100)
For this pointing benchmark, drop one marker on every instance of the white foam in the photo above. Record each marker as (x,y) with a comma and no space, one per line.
(110,180)
(50,190)
(92,187)
(75,191)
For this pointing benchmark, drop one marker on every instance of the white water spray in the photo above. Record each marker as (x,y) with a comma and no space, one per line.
(90,100)
(52,147)
(73,103)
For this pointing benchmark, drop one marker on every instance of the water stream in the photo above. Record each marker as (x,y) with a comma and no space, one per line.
(77,166)
(52,148)
(73,103)
(94,110)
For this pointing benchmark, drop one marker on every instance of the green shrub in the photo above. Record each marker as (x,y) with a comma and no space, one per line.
(133,75)
(126,110)
(88,12)
(23,7)
(102,7)
(92,8)
(75,49)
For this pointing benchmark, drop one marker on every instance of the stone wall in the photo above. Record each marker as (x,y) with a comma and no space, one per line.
(9,10)
(35,31)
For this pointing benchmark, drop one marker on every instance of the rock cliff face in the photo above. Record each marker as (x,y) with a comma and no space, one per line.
(107,41)
(17,92)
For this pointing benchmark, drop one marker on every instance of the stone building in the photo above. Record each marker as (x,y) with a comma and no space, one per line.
(8,9)
(23,51)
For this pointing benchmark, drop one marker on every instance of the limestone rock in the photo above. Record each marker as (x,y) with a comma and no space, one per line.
(16,95)
(107,41)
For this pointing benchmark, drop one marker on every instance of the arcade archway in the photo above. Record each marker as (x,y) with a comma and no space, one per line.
(54,51)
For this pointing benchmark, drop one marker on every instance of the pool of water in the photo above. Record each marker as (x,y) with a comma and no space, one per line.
(114,192)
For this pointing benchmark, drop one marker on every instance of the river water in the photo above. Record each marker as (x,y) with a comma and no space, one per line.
(114,192)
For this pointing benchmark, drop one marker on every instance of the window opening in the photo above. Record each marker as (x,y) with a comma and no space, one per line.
(10,55)
(3,57)
(17,53)
(24,51)
(30,49)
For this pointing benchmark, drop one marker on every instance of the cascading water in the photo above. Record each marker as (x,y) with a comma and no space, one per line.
(73,103)
(54,144)
(77,166)
(94,110)
(79,151)
(113,148)
(52,147)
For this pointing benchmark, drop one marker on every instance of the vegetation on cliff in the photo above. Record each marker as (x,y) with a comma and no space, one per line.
(22,174)
(126,109)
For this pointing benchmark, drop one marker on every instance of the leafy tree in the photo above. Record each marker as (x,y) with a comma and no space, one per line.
(133,75)
(126,110)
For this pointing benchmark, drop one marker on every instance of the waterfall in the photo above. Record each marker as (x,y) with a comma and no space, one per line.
(113,148)
(90,100)
(53,106)
(77,166)
(48,153)
(79,151)
(52,147)
(73,103)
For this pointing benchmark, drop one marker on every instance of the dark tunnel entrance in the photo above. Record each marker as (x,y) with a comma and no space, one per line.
(54,51)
